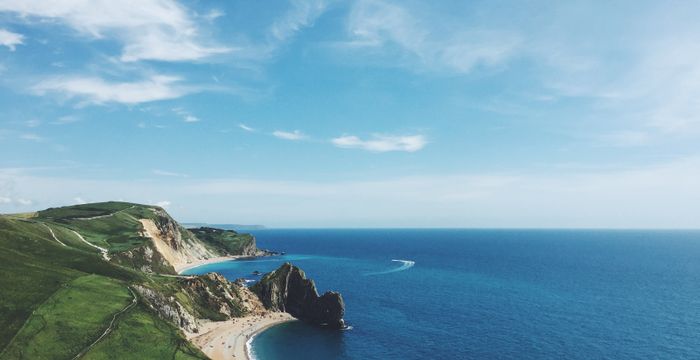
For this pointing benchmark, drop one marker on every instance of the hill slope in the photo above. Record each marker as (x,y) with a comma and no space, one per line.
(68,272)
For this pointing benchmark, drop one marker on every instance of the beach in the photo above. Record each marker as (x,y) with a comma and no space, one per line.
(228,339)
(180,267)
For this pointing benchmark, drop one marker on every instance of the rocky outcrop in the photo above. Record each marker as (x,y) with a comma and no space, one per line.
(168,308)
(287,289)
(211,297)
(216,298)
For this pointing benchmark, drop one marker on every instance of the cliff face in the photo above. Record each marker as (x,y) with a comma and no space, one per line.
(287,289)
(207,297)
(174,243)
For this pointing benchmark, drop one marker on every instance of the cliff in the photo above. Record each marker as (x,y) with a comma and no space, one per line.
(187,301)
(287,289)
(146,237)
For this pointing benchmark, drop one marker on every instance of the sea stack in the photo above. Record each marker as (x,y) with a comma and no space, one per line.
(287,289)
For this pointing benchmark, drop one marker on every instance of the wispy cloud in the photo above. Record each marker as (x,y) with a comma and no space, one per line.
(186,115)
(163,204)
(67,119)
(626,138)
(10,39)
(24,202)
(287,135)
(97,91)
(302,14)
(168,173)
(160,30)
(424,43)
(32,123)
(31,137)
(382,143)
(246,128)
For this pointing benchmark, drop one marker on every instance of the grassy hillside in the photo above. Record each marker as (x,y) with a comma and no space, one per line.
(233,242)
(58,295)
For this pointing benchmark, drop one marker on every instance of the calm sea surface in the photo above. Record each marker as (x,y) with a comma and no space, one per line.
(490,294)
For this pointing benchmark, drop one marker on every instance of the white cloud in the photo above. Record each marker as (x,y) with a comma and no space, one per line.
(32,137)
(163,204)
(10,39)
(382,143)
(32,123)
(246,128)
(149,29)
(294,135)
(78,200)
(186,115)
(5,200)
(191,118)
(67,119)
(425,43)
(24,202)
(302,14)
(97,91)
(626,138)
(168,173)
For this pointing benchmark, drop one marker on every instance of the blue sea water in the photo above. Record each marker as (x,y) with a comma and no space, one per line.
(491,294)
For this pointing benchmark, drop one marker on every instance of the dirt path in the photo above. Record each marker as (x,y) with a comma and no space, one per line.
(104,216)
(110,327)
(104,251)
(53,235)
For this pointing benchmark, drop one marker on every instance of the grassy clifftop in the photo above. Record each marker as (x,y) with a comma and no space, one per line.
(71,274)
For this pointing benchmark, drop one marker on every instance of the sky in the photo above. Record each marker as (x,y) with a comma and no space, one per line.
(360,113)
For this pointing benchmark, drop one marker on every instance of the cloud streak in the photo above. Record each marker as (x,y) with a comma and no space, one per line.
(10,39)
(97,91)
(385,27)
(289,135)
(382,143)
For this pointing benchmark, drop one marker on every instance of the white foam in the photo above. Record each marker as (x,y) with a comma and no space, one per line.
(249,348)
(405,265)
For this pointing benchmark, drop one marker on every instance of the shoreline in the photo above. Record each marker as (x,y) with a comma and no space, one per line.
(200,262)
(230,339)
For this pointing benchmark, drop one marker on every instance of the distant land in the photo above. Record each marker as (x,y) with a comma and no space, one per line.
(226,226)
(103,280)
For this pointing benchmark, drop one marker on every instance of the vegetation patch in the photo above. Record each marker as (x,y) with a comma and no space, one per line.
(70,320)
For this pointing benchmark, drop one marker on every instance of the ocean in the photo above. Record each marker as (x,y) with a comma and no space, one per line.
(490,294)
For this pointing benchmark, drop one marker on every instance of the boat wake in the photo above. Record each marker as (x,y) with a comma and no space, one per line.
(405,265)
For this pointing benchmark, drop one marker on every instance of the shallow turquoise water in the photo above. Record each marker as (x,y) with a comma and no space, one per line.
(491,294)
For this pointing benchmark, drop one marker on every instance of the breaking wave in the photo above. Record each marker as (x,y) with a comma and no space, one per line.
(405,265)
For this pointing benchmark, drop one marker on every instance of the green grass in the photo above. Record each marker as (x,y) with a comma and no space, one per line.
(55,299)
(83,211)
(70,320)
(117,233)
(34,266)
(234,243)
(142,335)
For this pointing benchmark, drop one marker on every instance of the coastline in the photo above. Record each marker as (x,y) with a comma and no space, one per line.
(180,268)
(230,339)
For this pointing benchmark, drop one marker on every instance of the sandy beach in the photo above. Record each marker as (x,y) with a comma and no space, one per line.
(186,266)
(228,339)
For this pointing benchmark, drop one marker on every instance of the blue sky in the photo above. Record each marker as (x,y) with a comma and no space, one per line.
(356,113)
